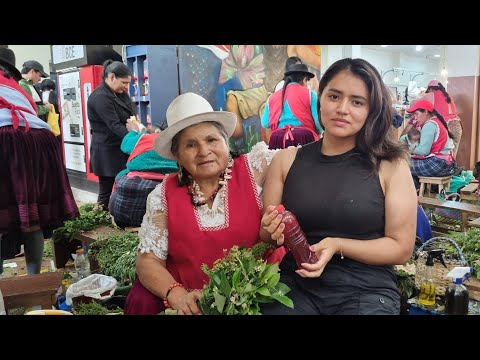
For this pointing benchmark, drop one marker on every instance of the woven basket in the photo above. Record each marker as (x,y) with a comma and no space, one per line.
(440,271)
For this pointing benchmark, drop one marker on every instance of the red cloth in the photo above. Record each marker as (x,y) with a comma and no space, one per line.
(144,144)
(441,140)
(299,100)
(440,104)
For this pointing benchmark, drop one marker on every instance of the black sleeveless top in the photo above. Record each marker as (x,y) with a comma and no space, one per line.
(338,196)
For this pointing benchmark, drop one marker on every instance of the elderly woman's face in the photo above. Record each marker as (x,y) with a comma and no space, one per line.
(203,151)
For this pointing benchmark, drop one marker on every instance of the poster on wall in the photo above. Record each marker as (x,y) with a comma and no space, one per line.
(71,107)
(240,79)
(75,157)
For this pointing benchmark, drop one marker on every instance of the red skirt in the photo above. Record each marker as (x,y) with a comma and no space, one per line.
(34,187)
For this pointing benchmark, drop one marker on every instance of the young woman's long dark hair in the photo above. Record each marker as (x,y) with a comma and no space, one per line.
(374,139)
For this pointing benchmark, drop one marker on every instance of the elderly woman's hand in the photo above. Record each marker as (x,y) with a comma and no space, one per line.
(272,223)
(185,302)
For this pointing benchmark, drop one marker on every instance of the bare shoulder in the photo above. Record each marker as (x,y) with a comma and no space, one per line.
(286,156)
(394,172)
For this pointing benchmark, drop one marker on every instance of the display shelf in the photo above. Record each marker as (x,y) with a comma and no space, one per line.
(155,80)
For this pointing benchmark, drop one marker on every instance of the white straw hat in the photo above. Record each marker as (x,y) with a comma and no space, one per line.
(186,110)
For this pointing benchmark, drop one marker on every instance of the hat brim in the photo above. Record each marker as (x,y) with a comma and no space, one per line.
(163,143)
(308,73)
(13,70)
(44,75)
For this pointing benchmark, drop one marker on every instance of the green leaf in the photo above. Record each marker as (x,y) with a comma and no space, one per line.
(236,277)
(217,280)
(249,287)
(224,284)
(264,291)
(273,280)
(281,289)
(219,301)
(284,300)
(269,272)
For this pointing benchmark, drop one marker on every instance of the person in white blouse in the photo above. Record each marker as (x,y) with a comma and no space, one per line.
(211,204)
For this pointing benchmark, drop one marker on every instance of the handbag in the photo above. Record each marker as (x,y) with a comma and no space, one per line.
(52,120)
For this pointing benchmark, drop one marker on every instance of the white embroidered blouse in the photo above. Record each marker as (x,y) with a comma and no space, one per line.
(153,232)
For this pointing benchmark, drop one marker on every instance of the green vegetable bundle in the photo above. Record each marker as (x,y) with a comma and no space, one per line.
(241,281)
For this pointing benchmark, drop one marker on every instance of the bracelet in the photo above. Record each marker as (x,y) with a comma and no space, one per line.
(341,250)
(170,288)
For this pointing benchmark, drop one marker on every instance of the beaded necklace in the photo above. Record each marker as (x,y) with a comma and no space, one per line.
(196,194)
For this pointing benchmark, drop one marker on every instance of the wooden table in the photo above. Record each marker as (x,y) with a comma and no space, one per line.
(31,290)
(464,208)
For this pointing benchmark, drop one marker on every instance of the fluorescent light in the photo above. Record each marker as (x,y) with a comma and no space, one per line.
(419,47)
(436,55)
(383,45)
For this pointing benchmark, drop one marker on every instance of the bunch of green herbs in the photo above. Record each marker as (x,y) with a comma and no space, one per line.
(116,256)
(241,281)
(469,243)
(91,216)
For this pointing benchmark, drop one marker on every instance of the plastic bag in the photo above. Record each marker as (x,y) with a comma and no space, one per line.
(52,120)
(92,286)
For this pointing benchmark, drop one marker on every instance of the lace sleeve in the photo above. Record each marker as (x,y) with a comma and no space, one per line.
(153,233)
(259,157)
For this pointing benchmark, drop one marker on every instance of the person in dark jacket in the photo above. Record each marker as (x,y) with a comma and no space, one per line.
(109,107)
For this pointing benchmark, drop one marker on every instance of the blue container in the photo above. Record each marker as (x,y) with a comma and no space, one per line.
(420,310)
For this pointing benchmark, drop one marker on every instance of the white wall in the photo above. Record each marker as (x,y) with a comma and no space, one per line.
(462,60)
(40,53)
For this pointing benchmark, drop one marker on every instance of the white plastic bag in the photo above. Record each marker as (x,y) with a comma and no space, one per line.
(92,286)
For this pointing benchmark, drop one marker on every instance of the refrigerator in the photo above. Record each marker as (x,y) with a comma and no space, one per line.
(74,88)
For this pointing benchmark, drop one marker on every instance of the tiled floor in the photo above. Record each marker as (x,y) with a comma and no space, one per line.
(82,196)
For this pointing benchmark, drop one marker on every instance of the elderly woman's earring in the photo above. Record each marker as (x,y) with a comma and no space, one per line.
(180,172)
(230,160)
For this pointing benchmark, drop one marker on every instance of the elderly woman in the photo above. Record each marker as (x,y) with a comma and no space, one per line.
(434,155)
(211,204)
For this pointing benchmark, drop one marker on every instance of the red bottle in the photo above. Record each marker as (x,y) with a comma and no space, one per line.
(295,238)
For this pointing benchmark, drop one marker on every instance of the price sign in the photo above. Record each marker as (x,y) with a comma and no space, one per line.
(64,53)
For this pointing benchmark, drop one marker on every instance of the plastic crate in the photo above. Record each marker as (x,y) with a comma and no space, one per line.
(421,310)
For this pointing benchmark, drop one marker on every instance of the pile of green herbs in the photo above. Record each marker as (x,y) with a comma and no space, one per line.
(91,216)
(469,243)
(240,282)
(94,308)
(116,256)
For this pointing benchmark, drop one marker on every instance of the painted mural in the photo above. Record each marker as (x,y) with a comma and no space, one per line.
(240,78)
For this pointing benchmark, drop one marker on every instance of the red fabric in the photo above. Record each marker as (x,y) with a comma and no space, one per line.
(148,175)
(15,85)
(441,140)
(16,110)
(144,144)
(440,104)
(299,100)
(186,252)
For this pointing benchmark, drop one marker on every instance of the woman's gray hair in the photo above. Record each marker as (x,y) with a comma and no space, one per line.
(176,138)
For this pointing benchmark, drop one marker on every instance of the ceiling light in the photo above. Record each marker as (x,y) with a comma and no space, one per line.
(436,55)
(383,45)
(444,72)
(397,79)
(419,47)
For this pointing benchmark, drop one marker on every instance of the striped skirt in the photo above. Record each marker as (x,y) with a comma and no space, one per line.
(34,187)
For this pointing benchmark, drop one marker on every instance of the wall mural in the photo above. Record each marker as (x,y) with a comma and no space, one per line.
(240,78)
